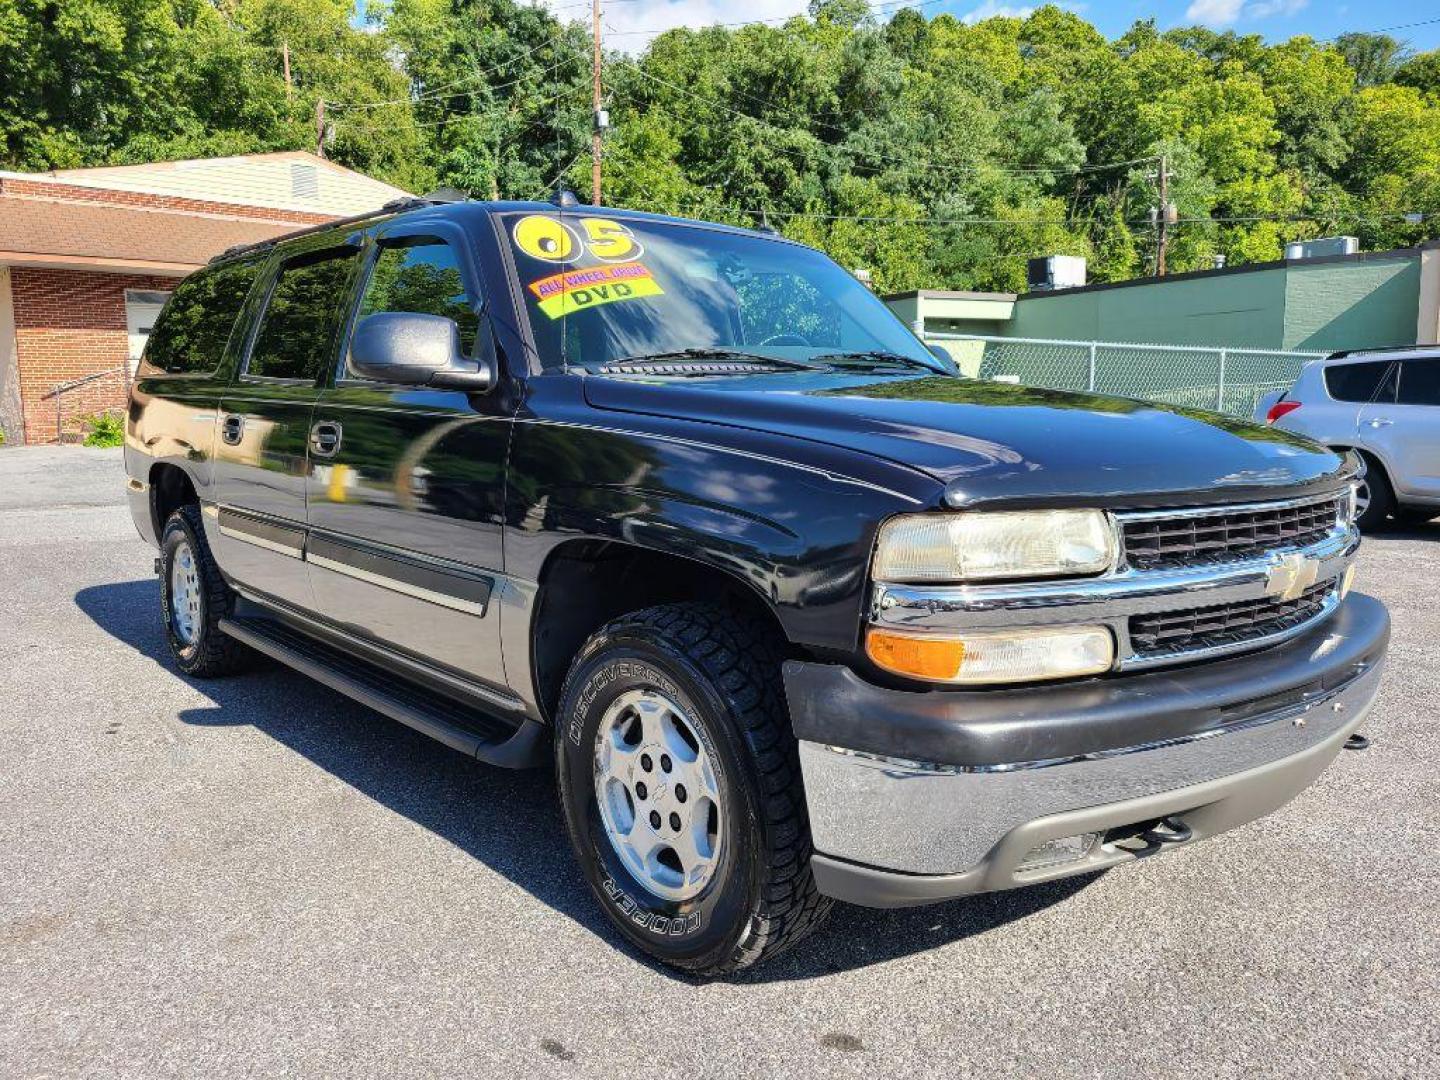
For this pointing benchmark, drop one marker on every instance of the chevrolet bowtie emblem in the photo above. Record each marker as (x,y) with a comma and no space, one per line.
(1290,575)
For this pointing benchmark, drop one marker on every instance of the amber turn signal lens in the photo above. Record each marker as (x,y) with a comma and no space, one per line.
(907,654)
(1022,654)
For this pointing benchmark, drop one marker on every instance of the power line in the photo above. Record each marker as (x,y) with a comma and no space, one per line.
(439,91)
(1069,222)
(549,188)
(1382,30)
(459,117)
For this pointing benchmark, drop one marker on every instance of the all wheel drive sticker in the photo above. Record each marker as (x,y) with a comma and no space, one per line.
(619,277)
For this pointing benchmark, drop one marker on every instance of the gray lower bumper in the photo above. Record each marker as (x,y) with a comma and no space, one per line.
(892,833)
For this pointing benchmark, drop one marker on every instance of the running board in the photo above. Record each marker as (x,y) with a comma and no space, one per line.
(469,730)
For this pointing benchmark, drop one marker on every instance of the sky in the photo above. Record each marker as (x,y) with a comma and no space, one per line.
(631,23)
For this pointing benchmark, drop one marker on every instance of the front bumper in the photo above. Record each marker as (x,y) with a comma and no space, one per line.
(917,797)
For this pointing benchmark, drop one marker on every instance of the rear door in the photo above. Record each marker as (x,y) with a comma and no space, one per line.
(1403,428)
(262,444)
(406,488)
(1351,386)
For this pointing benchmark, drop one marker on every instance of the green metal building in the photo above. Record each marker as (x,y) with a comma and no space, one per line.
(1326,303)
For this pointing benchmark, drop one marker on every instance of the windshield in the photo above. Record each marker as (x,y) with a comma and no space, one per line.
(600,291)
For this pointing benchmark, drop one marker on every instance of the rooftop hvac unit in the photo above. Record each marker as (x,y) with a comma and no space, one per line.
(1055,272)
(1325,245)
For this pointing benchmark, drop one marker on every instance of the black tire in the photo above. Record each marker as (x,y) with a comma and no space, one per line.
(724,672)
(211,653)
(1382,497)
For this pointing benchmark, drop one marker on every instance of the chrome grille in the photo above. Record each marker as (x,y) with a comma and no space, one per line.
(1224,624)
(1163,542)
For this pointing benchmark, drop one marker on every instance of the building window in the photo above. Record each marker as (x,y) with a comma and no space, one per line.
(142,308)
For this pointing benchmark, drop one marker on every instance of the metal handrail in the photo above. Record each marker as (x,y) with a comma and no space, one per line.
(59,391)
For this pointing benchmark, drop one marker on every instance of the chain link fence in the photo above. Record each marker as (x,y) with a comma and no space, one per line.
(1227,380)
(76,401)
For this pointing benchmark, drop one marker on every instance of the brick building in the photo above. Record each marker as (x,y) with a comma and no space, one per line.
(88,256)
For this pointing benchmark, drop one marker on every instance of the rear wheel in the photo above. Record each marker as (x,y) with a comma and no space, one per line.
(194,598)
(681,788)
(1374,498)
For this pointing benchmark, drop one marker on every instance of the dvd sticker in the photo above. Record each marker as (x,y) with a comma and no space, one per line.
(577,290)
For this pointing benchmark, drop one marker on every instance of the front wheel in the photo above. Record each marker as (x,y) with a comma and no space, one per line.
(681,788)
(194,598)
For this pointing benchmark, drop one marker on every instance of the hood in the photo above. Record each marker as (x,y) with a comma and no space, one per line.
(989,442)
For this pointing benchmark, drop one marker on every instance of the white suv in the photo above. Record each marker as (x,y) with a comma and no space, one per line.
(1383,404)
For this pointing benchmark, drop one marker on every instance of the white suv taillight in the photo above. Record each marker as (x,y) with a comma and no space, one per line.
(1279,409)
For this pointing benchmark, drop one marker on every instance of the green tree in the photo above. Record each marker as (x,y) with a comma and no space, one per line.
(1375,58)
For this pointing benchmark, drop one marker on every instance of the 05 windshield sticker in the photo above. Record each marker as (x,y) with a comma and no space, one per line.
(552,240)
(578,290)
(546,238)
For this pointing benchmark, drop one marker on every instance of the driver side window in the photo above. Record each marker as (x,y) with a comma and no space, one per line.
(421,275)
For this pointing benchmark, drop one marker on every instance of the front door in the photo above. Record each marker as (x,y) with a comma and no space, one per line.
(406,487)
(1403,427)
(262,443)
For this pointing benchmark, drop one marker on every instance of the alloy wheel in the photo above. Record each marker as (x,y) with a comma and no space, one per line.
(185,594)
(658,794)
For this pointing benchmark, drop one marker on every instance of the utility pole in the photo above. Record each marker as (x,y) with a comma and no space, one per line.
(595,133)
(320,127)
(285,52)
(1163,219)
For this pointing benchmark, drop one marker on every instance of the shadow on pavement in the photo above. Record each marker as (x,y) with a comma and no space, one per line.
(1408,529)
(508,820)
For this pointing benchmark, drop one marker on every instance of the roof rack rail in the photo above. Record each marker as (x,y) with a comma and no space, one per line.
(1382,349)
(394,206)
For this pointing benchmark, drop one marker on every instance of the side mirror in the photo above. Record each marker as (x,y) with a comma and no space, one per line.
(416,350)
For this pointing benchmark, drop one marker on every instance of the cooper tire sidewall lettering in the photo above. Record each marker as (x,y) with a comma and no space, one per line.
(712,920)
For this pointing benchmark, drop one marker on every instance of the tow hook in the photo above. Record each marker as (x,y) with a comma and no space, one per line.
(1357,742)
(1170,830)
(1156,835)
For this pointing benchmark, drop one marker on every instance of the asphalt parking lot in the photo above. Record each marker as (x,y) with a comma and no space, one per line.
(256,877)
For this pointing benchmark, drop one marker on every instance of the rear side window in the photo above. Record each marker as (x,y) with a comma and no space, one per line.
(1360,382)
(1420,382)
(296,339)
(190,336)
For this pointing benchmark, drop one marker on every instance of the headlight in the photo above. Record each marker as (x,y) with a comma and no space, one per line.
(994,656)
(980,546)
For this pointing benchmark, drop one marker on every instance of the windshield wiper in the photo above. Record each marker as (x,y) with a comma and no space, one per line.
(700,361)
(872,358)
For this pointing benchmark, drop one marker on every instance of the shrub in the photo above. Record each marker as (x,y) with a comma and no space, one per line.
(104,429)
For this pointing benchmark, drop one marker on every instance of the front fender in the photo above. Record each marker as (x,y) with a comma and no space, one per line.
(793,520)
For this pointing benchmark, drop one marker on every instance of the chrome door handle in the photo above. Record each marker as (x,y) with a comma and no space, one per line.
(325,438)
(232,429)
(1379,421)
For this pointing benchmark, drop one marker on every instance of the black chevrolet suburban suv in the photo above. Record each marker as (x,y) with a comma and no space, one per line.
(796,612)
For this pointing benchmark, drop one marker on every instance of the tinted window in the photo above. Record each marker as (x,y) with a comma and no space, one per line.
(297,332)
(193,328)
(1359,382)
(1420,382)
(421,275)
